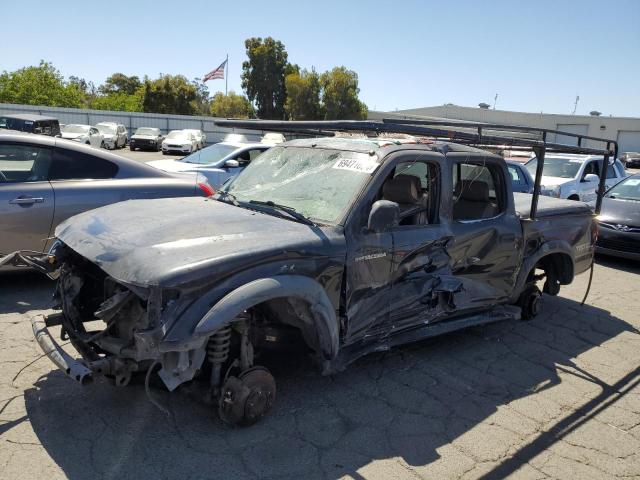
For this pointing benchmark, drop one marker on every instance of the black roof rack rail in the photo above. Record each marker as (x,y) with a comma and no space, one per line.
(469,133)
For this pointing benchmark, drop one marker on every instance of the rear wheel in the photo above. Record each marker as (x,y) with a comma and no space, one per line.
(530,302)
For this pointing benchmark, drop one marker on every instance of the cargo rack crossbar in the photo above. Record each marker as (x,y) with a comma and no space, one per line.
(481,135)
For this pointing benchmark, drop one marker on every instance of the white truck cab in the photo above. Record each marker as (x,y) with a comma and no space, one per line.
(574,177)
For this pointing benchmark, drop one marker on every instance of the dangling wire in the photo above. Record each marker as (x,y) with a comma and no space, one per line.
(586,294)
(148,390)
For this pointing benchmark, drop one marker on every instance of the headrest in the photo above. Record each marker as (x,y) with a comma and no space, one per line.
(472,191)
(402,189)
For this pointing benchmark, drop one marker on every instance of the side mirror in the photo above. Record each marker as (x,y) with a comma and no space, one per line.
(383,216)
(591,177)
(232,163)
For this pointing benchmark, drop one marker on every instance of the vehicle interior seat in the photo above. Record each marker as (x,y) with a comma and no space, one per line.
(472,201)
(406,191)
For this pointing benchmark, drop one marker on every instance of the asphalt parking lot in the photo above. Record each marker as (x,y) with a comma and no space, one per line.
(558,397)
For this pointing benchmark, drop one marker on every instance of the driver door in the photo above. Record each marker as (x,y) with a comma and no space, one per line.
(26,197)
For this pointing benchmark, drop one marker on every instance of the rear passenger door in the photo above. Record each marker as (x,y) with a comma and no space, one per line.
(487,245)
(82,182)
(26,197)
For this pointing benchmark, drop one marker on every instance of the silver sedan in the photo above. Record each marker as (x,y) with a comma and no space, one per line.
(45,180)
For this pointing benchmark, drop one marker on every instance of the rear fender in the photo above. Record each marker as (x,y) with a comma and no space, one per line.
(548,248)
(321,329)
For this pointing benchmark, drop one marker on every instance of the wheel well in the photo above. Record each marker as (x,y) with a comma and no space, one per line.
(557,266)
(282,313)
(573,197)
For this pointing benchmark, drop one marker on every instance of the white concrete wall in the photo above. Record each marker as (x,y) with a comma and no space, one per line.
(602,127)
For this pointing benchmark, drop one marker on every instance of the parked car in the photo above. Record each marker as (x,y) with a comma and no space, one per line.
(179,141)
(574,177)
(83,134)
(521,180)
(217,162)
(44,181)
(619,220)
(630,159)
(272,138)
(201,137)
(337,246)
(115,135)
(146,138)
(31,123)
(235,138)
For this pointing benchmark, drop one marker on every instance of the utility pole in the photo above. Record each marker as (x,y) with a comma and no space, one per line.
(575,105)
(495,100)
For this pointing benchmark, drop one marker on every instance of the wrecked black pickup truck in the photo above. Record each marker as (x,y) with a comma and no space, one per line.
(342,246)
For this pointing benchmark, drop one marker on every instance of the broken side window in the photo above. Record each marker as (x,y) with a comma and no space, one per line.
(477,191)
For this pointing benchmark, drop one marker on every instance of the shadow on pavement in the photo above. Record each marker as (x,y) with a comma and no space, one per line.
(408,403)
(15,286)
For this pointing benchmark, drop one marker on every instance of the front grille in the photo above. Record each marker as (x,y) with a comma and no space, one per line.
(620,245)
(174,146)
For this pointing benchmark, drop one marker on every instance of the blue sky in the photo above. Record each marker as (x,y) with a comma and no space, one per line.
(536,55)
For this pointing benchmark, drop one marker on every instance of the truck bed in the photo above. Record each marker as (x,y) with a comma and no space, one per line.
(548,206)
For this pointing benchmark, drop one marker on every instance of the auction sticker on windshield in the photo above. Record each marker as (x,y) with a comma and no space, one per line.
(356,165)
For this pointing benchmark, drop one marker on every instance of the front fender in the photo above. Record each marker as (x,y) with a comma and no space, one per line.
(325,324)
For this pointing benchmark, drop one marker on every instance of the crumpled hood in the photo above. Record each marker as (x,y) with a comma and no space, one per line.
(174,241)
(173,165)
(108,136)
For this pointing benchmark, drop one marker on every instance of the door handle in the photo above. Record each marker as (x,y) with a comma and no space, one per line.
(26,200)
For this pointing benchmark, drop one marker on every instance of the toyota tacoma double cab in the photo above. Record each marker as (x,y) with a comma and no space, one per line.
(340,246)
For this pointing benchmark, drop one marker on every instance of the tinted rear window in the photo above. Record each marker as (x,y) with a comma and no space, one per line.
(74,165)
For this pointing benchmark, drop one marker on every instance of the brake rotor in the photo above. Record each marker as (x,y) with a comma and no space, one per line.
(247,398)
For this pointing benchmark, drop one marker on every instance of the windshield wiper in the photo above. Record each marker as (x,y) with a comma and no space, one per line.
(286,209)
(227,197)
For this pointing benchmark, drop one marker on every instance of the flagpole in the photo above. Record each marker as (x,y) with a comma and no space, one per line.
(226,77)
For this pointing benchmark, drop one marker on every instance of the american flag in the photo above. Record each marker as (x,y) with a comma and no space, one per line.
(217,73)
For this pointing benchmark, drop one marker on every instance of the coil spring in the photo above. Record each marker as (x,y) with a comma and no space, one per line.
(218,346)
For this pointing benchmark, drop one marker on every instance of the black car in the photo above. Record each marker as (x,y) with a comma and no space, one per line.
(521,180)
(31,123)
(146,138)
(630,159)
(619,220)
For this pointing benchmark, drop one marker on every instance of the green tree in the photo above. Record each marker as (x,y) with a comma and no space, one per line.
(170,94)
(231,106)
(119,102)
(41,85)
(263,76)
(120,83)
(202,102)
(340,95)
(303,96)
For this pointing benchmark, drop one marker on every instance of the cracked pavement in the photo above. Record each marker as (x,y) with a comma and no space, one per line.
(558,397)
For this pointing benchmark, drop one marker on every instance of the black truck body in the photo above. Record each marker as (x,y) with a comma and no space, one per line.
(203,285)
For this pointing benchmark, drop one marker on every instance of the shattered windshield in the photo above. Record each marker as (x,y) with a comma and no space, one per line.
(319,184)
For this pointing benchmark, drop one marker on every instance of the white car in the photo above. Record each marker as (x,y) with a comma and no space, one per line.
(179,141)
(82,134)
(201,137)
(272,138)
(115,135)
(218,162)
(574,177)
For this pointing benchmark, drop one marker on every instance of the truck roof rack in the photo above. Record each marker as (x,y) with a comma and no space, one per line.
(481,135)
